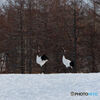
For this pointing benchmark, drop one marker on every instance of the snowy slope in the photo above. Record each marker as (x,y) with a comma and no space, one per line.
(48,87)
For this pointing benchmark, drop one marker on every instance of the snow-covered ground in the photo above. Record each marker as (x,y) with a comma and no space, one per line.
(49,87)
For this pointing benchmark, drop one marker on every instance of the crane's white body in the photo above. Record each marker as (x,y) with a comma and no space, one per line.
(40,61)
(66,62)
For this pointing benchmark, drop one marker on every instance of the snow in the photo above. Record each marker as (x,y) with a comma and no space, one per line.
(48,87)
(40,61)
(66,62)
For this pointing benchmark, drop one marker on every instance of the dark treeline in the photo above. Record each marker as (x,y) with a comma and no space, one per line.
(36,27)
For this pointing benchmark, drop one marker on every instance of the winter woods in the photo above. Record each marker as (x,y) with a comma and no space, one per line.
(36,27)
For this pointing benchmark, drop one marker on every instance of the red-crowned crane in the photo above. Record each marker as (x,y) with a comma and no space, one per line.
(41,60)
(68,63)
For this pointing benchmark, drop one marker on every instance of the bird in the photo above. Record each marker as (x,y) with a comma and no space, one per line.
(67,62)
(41,60)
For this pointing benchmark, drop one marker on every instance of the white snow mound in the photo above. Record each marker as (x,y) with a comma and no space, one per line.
(48,87)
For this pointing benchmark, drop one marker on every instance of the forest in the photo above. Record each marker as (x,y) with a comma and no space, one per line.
(52,28)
